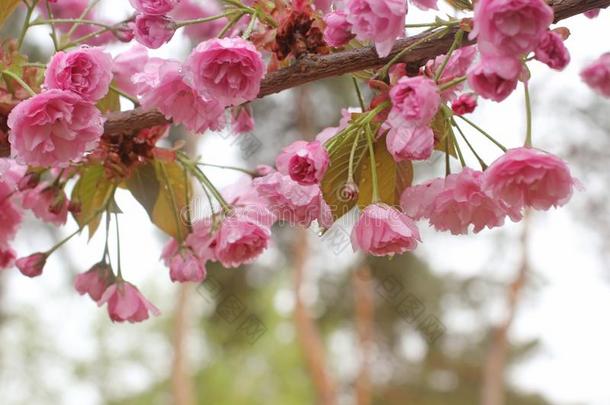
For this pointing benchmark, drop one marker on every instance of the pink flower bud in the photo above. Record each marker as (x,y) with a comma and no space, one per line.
(464,104)
(153,31)
(407,143)
(32,265)
(94,281)
(30,180)
(124,33)
(241,119)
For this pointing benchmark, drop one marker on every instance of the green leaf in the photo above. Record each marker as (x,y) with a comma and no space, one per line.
(110,103)
(336,176)
(392,177)
(161,187)
(92,191)
(6,9)
(441,126)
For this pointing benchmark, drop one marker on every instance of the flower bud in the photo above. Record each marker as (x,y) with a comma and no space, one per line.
(32,265)
(349,192)
(464,104)
(30,180)
(94,281)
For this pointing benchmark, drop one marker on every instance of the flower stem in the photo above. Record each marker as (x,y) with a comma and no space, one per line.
(239,169)
(118,246)
(369,138)
(53,32)
(458,150)
(447,163)
(125,95)
(83,15)
(20,81)
(528,114)
(474,152)
(358,93)
(26,23)
(456,42)
(433,35)
(452,83)
(475,126)
(180,24)
(250,27)
(350,168)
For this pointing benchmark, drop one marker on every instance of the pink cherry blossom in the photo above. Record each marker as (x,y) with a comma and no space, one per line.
(552,51)
(242,120)
(380,21)
(338,30)
(153,31)
(597,75)
(240,240)
(305,162)
(464,104)
(415,101)
(48,203)
(292,202)
(456,67)
(184,266)
(510,28)
(527,177)
(32,265)
(11,173)
(154,7)
(126,65)
(162,86)
(407,143)
(384,231)
(94,281)
(85,71)
(53,128)
(456,202)
(229,70)
(494,78)
(126,303)
(193,9)
(201,240)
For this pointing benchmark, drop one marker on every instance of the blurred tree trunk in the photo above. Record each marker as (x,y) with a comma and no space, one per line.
(182,385)
(493,387)
(364,302)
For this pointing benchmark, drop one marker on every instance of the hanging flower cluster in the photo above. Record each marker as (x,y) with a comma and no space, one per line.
(62,155)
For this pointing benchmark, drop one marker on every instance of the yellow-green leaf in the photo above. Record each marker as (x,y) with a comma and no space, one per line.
(161,187)
(441,126)
(6,9)
(92,191)
(390,177)
(110,103)
(337,174)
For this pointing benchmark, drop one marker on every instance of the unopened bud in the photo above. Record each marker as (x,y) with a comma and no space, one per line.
(30,180)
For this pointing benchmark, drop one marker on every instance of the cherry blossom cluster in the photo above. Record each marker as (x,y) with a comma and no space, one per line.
(55,128)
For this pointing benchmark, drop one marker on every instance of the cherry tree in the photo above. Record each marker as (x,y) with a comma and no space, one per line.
(67,145)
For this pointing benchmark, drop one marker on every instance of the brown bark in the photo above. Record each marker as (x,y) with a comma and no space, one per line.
(492,392)
(183,392)
(315,67)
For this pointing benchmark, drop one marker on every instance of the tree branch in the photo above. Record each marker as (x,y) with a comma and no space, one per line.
(316,67)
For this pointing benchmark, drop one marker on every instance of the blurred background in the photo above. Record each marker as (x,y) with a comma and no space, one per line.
(517,314)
